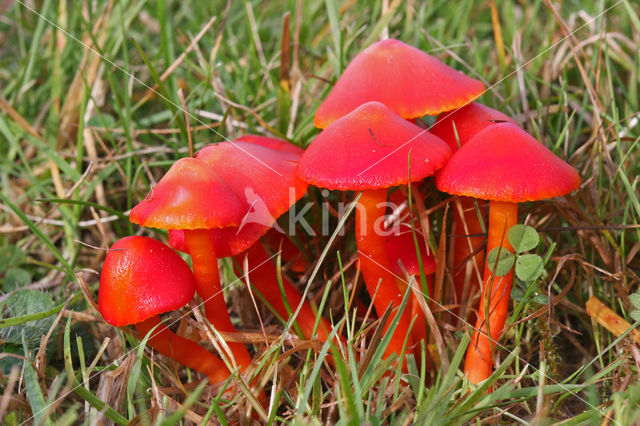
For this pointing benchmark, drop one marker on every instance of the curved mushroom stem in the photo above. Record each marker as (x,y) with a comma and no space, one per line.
(495,296)
(467,276)
(263,276)
(205,268)
(376,268)
(185,351)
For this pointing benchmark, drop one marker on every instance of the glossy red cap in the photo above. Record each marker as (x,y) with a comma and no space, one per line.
(409,81)
(401,248)
(369,148)
(259,175)
(505,163)
(189,196)
(141,278)
(261,172)
(468,120)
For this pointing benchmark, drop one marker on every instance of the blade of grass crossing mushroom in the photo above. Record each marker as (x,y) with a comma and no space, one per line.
(321,258)
(283,294)
(381,347)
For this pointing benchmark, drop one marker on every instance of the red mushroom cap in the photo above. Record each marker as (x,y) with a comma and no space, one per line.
(189,196)
(409,81)
(261,172)
(468,120)
(505,163)
(257,174)
(400,247)
(370,148)
(141,278)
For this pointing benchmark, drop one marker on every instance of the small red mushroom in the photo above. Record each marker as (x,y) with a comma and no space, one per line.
(507,166)
(407,80)
(369,150)
(142,278)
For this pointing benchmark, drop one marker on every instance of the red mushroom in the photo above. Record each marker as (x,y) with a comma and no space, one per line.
(507,166)
(370,150)
(194,198)
(142,278)
(271,196)
(456,128)
(409,81)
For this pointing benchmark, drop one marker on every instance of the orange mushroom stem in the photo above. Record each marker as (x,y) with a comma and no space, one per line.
(185,351)
(263,276)
(375,266)
(496,291)
(467,253)
(405,264)
(205,268)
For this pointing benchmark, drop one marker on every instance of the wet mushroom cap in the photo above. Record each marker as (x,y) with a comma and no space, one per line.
(257,174)
(409,81)
(141,278)
(505,163)
(371,148)
(261,172)
(189,196)
(468,120)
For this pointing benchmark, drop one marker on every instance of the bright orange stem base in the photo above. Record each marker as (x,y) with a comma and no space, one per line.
(495,298)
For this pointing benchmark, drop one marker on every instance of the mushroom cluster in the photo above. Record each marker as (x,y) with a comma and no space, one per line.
(224,202)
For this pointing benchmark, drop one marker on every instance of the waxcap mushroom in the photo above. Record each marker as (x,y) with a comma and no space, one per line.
(370,148)
(189,196)
(456,128)
(194,196)
(261,172)
(409,81)
(142,278)
(505,163)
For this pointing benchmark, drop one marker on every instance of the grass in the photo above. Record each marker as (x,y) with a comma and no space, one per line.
(82,138)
